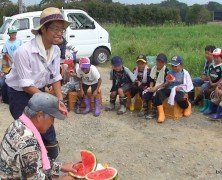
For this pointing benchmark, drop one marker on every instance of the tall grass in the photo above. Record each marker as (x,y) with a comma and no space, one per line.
(186,41)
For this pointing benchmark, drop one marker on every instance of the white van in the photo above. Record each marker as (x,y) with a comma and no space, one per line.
(84,33)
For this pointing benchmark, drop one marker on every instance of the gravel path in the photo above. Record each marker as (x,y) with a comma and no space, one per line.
(140,149)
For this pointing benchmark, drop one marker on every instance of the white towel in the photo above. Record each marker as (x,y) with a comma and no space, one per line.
(186,86)
(144,80)
(161,75)
(46,53)
(172,96)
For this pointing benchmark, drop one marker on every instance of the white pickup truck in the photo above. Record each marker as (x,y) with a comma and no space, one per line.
(84,33)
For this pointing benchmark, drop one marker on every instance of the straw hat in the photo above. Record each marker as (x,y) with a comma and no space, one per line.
(50,14)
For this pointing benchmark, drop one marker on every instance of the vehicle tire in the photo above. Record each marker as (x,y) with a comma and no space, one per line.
(100,56)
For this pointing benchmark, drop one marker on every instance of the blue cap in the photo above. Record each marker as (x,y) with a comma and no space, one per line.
(116,61)
(176,60)
(162,57)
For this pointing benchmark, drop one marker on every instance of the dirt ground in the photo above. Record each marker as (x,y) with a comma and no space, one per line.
(140,149)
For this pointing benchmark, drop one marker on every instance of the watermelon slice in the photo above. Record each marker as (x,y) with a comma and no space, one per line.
(108,173)
(87,165)
(170,78)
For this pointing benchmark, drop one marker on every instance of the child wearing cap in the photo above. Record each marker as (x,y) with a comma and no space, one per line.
(89,77)
(203,80)
(216,107)
(214,75)
(142,74)
(175,89)
(9,48)
(122,79)
(73,84)
(158,74)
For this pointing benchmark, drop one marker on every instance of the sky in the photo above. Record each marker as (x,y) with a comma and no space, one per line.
(188,2)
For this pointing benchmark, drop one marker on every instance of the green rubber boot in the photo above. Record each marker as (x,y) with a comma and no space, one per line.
(206,105)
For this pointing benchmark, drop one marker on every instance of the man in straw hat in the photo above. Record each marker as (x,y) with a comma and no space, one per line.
(36,65)
(22,152)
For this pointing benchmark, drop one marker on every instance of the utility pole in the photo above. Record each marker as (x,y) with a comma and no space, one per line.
(20,4)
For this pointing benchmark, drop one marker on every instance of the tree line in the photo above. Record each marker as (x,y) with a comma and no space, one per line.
(106,11)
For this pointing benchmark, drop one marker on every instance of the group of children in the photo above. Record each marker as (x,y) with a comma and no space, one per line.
(211,84)
(153,86)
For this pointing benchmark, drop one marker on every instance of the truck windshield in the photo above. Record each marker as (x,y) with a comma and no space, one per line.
(4,26)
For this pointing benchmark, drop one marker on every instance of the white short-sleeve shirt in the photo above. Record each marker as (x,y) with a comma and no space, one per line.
(91,78)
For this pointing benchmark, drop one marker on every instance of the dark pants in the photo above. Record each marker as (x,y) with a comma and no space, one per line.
(137,89)
(4,90)
(162,94)
(17,102)
(85,88)
(147,96)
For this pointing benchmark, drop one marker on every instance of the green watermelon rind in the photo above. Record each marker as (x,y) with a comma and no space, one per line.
(114,177)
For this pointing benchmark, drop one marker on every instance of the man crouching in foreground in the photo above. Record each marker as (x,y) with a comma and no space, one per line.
(22,151)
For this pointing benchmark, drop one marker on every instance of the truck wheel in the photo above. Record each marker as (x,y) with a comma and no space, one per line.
(100,56)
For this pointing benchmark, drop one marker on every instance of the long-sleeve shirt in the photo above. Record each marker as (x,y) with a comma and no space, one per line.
(30,68)
(20,155)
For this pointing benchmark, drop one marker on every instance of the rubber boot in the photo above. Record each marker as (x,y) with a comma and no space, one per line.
(205,106)
(111,106)
(77,105)
(122,109)
(87,104)
(132,103)
(187,112)
(218,114)
(97,107)
(211,109)
(197,100)
(144,110)
(161,114)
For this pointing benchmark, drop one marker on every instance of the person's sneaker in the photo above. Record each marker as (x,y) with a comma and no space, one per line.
(110,107)
(132,107)
(121,110)
(77,110)
(152,114)
(141,114)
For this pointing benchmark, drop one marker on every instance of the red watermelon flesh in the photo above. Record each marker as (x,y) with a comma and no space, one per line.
(170,77)
(88,160)
(88,164)
(80,173)
(108,173)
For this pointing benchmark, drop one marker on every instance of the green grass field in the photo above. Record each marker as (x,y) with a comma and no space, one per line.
(186,41)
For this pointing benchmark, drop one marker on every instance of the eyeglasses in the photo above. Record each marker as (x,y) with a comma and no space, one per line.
(56,29)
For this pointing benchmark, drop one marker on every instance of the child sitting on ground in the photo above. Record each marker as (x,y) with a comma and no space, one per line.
(89,76)
(158,75)
(142,74)
(73,83)
(203,80)
(214,75)
(217,102)
(122,79)
(175,89)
